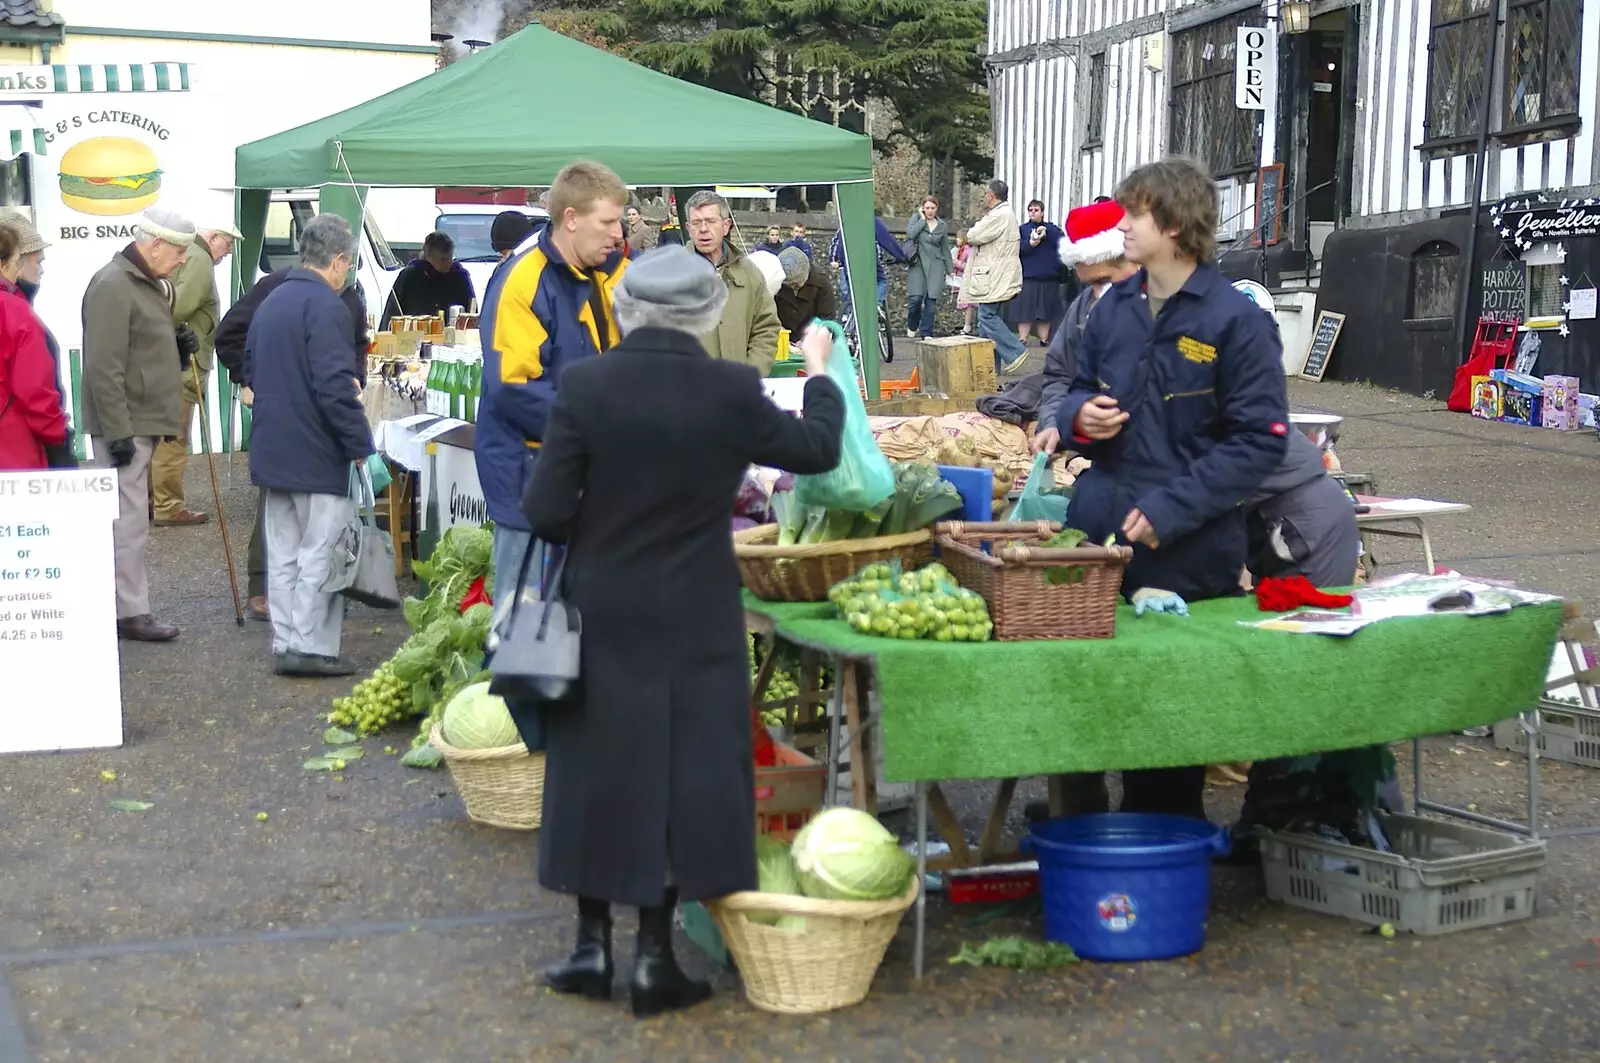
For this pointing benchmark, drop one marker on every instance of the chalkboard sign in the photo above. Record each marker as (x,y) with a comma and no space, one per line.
(1504,291)
(1269,204)
(1323,337)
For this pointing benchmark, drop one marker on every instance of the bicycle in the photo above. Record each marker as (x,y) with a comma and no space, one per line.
(885,334)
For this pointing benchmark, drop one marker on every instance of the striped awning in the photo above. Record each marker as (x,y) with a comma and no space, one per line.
(21,130)
(120,77)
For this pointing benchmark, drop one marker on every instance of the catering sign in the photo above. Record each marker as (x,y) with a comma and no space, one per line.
(1527,220)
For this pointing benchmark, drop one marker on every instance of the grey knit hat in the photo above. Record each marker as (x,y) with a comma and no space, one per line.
(796,265)
(670,287)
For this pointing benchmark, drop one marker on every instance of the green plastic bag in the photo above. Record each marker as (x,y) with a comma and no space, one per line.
(863,477)
(378,469)
(1040,498)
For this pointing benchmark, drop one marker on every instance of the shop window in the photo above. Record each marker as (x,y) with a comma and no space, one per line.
(1435,271)
(1203,121)
(1541,62)
(1456,70)
(1545,295)
(1094,126)
(16,186)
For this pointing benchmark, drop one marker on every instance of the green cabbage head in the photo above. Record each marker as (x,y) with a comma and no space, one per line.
(477,719)
(846,855)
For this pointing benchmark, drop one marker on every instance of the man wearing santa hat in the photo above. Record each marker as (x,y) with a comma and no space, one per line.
(1093,249)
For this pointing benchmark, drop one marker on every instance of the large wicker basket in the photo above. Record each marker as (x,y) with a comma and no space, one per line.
(1012,579)
(501,787)
(805,573)
(830,964)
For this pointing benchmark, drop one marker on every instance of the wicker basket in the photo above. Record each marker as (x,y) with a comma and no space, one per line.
(501,787)
(1022,604)
(830,964)
(806,573)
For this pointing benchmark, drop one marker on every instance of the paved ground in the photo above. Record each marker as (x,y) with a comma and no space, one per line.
(367,919)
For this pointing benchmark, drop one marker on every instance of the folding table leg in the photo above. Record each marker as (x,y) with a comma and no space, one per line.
(922,880)
(835,719)
(1427,544)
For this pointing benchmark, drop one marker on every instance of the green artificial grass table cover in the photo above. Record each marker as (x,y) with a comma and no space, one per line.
(1169,690)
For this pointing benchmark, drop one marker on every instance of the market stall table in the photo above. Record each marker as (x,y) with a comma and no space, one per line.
(1401,518)
(1168,691)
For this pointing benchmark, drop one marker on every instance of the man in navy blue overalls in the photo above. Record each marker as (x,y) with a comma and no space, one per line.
(1179,402)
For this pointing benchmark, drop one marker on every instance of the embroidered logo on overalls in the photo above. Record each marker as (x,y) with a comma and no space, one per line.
(1195,351)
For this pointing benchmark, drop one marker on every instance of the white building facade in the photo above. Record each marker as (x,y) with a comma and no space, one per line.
(1368,144)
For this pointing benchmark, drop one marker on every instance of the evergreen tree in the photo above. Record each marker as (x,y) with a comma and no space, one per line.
(920,56)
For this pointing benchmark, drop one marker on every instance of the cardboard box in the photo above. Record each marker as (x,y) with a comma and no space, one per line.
(1559,405)
(1487,395)
(1587,404)
(1522,397)
(956,366)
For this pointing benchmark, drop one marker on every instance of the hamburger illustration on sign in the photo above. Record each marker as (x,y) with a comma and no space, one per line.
(110,176)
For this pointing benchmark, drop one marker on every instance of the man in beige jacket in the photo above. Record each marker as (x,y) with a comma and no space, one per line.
(994,275)
(749,329)
(194,303)
(133,365)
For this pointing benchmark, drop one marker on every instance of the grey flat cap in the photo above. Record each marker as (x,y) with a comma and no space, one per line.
(167,225)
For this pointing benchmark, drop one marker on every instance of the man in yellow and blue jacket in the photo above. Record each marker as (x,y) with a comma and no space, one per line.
(547,306)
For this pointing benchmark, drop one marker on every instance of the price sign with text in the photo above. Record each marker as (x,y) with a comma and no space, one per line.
(58,622)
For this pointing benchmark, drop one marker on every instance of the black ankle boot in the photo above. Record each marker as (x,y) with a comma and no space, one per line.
(659,984)
(588,970)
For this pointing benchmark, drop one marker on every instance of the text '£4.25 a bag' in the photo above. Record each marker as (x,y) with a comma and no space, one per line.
(363,556)
(863,477)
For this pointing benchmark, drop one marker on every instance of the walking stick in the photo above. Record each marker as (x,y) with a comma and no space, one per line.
(216,495)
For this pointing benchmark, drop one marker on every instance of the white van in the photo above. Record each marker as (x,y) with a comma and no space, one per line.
(289,212)
(467,224)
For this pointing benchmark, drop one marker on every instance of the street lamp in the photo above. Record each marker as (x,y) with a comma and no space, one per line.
(1296,16)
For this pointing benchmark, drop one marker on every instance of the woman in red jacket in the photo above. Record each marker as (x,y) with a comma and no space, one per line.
(30,406)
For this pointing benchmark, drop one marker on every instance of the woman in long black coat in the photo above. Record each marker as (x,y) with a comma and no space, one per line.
(649,787)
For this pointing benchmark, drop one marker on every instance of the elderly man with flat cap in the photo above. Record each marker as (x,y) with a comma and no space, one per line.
(195,304)
(133,365)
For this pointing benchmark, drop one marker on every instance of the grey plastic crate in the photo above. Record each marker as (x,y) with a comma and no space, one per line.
(1441,877)
(1568,733)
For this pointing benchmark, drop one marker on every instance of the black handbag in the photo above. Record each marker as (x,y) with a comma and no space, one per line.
(535,644)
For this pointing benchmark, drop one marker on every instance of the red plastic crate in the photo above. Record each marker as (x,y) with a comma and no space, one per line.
(789,793)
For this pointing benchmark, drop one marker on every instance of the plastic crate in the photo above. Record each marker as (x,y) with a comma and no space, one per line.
(1568,733)
(1441,877)
(789,793)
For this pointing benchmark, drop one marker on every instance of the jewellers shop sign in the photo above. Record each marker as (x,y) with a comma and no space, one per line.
(1529,220)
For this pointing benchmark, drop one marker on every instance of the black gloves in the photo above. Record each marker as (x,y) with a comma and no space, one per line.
(60,455)
(121,451)
(188,344)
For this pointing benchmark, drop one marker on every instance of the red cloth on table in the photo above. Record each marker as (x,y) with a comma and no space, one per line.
(1281,594)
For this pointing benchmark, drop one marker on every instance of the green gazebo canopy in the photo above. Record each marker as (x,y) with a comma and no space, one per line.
(515,113)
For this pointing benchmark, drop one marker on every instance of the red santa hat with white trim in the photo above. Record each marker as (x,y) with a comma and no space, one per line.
(1092,234)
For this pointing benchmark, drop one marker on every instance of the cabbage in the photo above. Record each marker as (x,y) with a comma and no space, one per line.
(774,874)
(477,719)
(846,855)
(775,867)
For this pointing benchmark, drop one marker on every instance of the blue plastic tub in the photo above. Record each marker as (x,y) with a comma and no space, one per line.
(1124,885)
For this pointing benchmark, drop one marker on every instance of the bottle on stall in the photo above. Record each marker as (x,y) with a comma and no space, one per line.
(474,389)
(431,388)
(456,385)
(446,372)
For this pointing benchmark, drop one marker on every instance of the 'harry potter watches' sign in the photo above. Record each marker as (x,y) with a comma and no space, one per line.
(1527,220)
